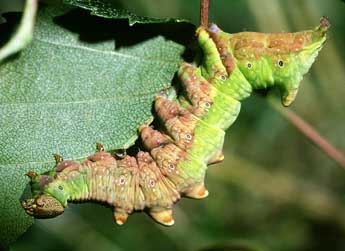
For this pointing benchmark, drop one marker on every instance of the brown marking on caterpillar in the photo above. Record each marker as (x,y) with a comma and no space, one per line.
(67,164)
(158,190)
(66,176)
(280,43)
(104,158)
(165,108)
(284,43)
(167,157)
(247,44)
(223,49)
(44,180)
(128,195)
(44,206)
(181,125)
(181,129)
(182,133)
(152,138)
(198,90)
(242,40)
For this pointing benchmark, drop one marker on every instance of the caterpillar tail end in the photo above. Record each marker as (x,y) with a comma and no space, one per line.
(197,192)
(163,217)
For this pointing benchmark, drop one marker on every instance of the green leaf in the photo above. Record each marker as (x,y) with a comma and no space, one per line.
(62,95)
(108,9)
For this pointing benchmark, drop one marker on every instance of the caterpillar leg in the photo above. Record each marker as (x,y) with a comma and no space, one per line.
(197,192)
(217,158)
(120,216)
(163,217)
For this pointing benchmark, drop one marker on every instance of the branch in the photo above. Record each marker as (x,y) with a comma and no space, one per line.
(204,6)
(312,134)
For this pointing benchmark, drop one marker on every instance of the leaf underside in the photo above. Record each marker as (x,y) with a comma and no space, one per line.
(108,9)
(62,95)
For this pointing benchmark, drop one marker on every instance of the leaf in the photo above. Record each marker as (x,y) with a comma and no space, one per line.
(62,95)
(23,35)
(108,9)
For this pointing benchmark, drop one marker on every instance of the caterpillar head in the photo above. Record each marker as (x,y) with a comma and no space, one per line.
(277,59)
(43,206)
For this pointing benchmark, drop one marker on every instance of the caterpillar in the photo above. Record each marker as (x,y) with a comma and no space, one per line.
(175,158)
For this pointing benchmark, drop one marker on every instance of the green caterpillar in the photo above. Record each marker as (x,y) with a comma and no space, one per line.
(175,161)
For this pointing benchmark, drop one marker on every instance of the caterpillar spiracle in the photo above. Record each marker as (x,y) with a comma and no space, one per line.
(175,161)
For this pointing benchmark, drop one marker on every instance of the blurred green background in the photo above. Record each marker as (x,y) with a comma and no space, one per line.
(275,190)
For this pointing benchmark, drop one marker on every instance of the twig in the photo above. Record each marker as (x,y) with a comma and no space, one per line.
(313,135)
(204,6)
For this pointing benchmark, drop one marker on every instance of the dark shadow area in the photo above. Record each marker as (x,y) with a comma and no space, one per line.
(95,29)
(228,247)
(325,235)
(26,193)
(9,27)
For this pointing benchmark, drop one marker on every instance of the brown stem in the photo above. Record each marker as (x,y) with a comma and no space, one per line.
(313,135)
(204,6)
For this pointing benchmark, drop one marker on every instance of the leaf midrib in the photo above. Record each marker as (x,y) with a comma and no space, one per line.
(120,98)
(38,162)
(114,53)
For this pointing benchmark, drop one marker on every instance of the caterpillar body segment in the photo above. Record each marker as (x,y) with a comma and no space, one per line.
(174,161)
(203,95)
